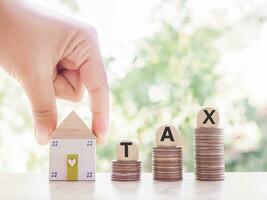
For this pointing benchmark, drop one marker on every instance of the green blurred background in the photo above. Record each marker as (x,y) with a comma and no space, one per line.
(165,59)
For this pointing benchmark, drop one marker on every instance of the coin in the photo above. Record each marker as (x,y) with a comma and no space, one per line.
(209,154)
(126,170)
(167,163)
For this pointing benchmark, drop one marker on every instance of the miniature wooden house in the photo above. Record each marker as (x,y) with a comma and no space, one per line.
(72,151)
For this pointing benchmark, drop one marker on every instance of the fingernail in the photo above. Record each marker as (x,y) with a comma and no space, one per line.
(101,139)
(41,134)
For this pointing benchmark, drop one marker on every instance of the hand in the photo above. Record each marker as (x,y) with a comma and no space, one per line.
(53,57)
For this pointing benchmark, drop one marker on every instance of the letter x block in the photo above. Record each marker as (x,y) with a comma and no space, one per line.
(127,150)
(166,135)
(208,117)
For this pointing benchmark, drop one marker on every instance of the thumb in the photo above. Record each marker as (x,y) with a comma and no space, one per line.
(42,98)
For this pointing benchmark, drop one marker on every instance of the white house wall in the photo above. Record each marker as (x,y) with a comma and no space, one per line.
(86,150)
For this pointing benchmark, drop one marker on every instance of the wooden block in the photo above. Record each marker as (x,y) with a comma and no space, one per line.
(166,135)
(127,150)
(72,153)
(208,117)
(72,127)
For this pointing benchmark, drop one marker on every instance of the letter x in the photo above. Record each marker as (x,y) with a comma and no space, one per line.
(209,117)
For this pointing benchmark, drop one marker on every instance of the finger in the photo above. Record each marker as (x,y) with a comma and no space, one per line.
(93,75)
(68,85)
(41,95)
(78,55)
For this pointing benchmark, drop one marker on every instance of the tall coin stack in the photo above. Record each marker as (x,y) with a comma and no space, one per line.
(126,167)
(167,164)
(209,146)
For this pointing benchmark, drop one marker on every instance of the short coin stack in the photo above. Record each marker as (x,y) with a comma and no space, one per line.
(167,162)
(126,170)
(209,147)
(127,167)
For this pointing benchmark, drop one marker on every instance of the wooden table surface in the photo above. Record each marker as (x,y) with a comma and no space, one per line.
(237,186)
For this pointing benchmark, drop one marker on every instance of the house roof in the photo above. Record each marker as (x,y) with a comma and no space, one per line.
(72,127)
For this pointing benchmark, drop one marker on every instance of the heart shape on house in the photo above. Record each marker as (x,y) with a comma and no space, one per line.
(71,162)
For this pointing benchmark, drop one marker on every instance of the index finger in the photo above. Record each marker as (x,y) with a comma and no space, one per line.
(94,77)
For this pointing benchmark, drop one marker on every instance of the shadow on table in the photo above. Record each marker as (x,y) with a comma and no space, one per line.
(126,187)
(162,188)
(74,190)
(211,188)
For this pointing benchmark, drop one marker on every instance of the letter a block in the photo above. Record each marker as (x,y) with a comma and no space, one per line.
(166,135)
(127,150)
(208,117)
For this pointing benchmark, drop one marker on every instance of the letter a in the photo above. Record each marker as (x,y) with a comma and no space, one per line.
(167,133)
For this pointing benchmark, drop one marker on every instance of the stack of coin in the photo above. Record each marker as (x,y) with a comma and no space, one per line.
(126,170)
(167,163)
(126,167)
(209,146)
